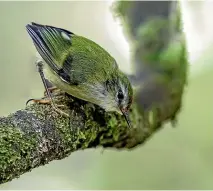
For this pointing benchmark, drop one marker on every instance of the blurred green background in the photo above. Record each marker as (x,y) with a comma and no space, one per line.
(174,158)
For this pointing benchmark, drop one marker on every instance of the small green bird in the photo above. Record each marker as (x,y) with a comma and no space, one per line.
(81,68)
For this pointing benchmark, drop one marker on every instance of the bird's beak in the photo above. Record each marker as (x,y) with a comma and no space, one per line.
(126,115)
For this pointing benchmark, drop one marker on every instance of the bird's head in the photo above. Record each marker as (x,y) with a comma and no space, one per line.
(118,95)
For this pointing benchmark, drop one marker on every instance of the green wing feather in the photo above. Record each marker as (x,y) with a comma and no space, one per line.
(75,59)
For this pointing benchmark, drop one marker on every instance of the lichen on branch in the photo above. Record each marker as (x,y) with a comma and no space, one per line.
(37,135)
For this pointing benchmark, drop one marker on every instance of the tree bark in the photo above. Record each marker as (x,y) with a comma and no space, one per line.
(36,135)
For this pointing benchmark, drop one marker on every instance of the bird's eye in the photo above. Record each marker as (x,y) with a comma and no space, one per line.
(120,95)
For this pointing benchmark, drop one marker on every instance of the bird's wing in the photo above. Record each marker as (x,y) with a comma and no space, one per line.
(73,58)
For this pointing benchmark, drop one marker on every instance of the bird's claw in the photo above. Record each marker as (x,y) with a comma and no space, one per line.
(47,101)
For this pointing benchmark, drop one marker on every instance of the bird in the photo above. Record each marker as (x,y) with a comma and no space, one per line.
(81,68)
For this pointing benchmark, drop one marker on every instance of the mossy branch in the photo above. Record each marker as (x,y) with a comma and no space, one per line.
(36,135)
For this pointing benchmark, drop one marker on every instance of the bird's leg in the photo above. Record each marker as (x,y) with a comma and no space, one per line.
(51,89)
(47,91)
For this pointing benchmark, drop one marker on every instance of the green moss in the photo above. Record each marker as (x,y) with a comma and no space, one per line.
(15,147)
(37,135)
(121,10)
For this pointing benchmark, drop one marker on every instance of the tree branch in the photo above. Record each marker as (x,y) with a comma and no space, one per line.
(37,135)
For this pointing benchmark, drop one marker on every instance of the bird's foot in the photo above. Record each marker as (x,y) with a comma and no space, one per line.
(44,100)
(54,106)
(56,92)
(52,89)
